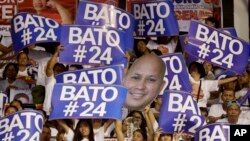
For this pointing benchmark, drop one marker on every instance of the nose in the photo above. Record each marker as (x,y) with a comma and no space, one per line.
(141,84)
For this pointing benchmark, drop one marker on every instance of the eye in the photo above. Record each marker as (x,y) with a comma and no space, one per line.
(135,77)
(151,79)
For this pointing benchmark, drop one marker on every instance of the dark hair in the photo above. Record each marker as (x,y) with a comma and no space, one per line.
(20,53)
(9,106)
(78,136)
(143,125)
(7,67)
(214,21)
(137,52)
(199,68)
(143,133)
(16,100)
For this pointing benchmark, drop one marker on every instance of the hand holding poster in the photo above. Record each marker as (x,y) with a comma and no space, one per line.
(100,75)
(176,76)
(180,112)
(22,126)
(217,47)
(87,101)
(92,45)
(27,29)
(154,18)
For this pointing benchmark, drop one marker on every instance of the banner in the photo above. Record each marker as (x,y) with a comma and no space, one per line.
(180,112)
(186,11)
(213,132)
(217,47)
(7,10)
(3,102)
(22,126)
(92,45)
(100,75)
(176,76)
(154,18)
(27,29)
(108,16)
(87,101)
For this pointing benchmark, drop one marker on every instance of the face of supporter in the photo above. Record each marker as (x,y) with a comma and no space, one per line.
(228,95)
(233,112)
(144,81)
(46,134)
(39,5)
(23,59)
(11,72)
(58,69)
(141,46)
(137,118)
(10,110)
(84,130)
(137,136)
(207,66)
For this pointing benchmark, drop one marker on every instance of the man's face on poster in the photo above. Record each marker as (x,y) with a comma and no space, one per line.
(144,82)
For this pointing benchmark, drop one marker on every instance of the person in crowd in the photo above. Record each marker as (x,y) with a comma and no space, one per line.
(244,81)
(144,81)
(201,88)
(53,68)
(140,47)
(209,71)
(65,129)
(25,72)
(84,131)
(100,127)
(233,114)
(157,106)
(10,81)
(46,132)
(17,103)
(218,111)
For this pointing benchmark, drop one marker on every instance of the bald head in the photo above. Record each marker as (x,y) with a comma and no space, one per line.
(144,81)
(150,60)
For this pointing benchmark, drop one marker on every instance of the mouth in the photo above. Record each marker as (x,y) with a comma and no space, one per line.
(137,95)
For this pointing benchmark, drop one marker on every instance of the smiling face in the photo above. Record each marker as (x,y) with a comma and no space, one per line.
(144,81)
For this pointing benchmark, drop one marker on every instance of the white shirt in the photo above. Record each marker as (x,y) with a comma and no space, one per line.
(206,86)
(50,82)
(216,110)
(240,121)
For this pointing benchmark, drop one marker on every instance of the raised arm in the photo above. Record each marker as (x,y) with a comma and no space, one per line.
(118,130)
(53,60)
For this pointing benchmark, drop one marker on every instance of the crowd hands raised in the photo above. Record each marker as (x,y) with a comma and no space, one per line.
(34,68)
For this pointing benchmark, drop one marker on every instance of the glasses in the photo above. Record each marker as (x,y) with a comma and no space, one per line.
(230,103)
